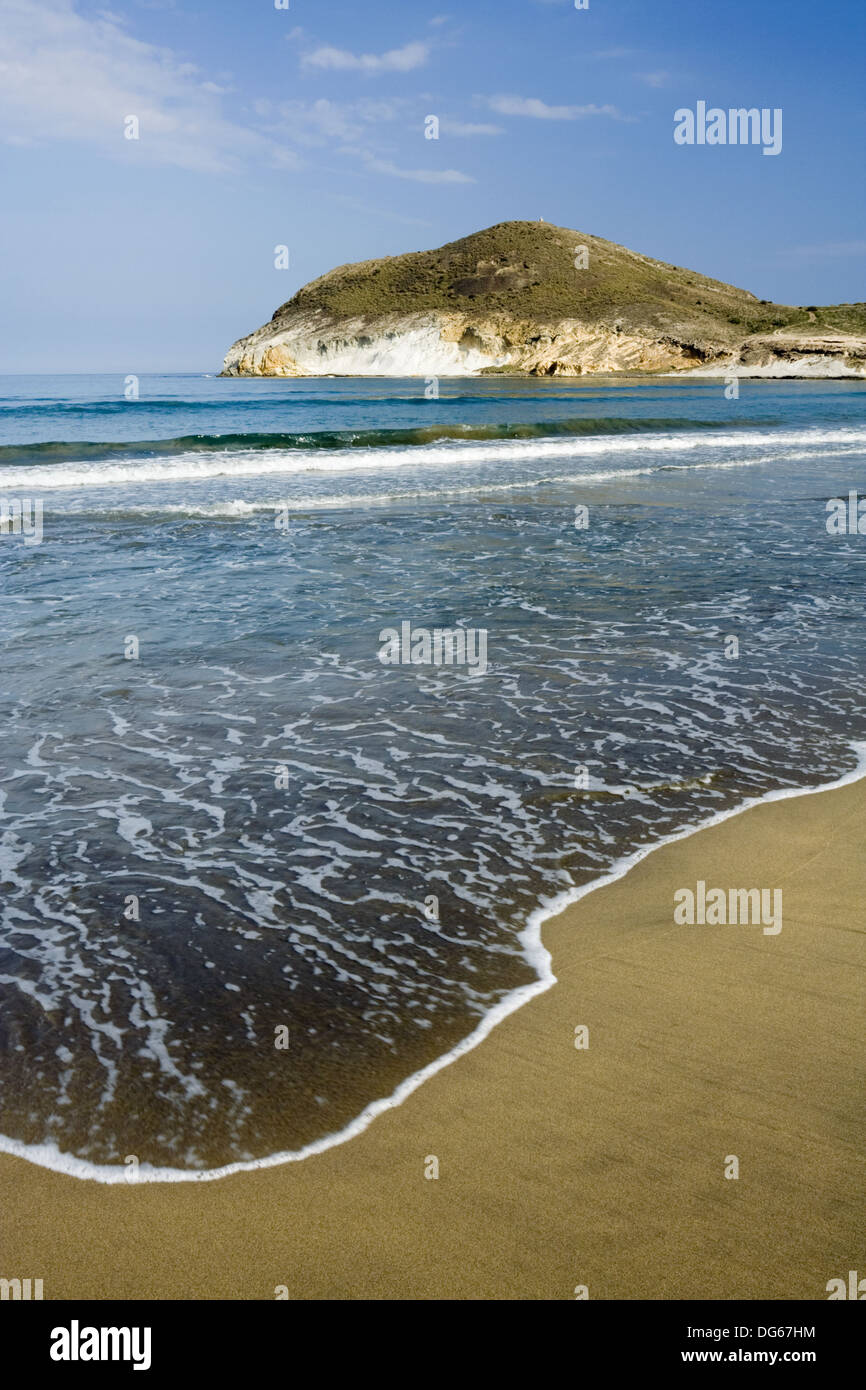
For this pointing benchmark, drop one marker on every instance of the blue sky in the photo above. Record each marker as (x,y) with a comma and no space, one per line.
(304,126)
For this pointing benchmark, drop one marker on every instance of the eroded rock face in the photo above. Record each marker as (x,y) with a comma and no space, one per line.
(845,350)
(524,297)
(450,344)
(454,344)
(273,359)
(412,345)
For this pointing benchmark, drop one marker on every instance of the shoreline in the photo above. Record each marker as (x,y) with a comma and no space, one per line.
(560,1168)
(48,1157)
(769,372)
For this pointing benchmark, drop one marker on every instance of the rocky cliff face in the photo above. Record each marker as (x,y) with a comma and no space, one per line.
(527,297)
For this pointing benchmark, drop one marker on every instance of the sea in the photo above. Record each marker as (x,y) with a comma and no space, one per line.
(263,871)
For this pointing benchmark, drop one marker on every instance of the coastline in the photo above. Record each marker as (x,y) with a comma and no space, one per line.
(560,1167)
(536,954)
(819,371)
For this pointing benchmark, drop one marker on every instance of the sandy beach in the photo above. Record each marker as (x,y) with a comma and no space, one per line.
(559,1167)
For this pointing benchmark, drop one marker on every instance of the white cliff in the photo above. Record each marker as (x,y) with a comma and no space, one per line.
(543,300)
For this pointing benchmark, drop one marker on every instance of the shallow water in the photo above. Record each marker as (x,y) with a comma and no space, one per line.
(281,804)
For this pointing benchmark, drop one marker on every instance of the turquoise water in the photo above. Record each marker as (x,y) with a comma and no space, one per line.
(237,829)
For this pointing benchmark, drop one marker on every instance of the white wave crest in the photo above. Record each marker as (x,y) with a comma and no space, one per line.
(286,462)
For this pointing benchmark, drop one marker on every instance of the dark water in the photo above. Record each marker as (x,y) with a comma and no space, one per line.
(274,805)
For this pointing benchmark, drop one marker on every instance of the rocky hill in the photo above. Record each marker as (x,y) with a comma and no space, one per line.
(529,297)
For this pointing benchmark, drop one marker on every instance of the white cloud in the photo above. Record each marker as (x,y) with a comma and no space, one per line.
(539,110)
(411,55)
(384,166)
(344,125)
(653,79)
(67,77)
(317,122)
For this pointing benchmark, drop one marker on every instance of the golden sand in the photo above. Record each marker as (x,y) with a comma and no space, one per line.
(560,1166)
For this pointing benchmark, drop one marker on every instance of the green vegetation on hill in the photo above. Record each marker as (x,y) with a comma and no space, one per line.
(527,270)
(847,318)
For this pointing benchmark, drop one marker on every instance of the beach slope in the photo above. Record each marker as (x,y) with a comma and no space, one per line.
(560,1166)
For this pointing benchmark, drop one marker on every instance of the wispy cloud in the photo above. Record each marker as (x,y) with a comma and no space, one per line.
(354,128)
(385,166)
(539,110)
(320,122)
(653,79)
(67,77)
(828,250)
(405,59)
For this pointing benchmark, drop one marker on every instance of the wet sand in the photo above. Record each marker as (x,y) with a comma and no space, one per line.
(561,1167)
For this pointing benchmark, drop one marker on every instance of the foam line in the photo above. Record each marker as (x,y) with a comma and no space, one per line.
(264,463)
(49,1156)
